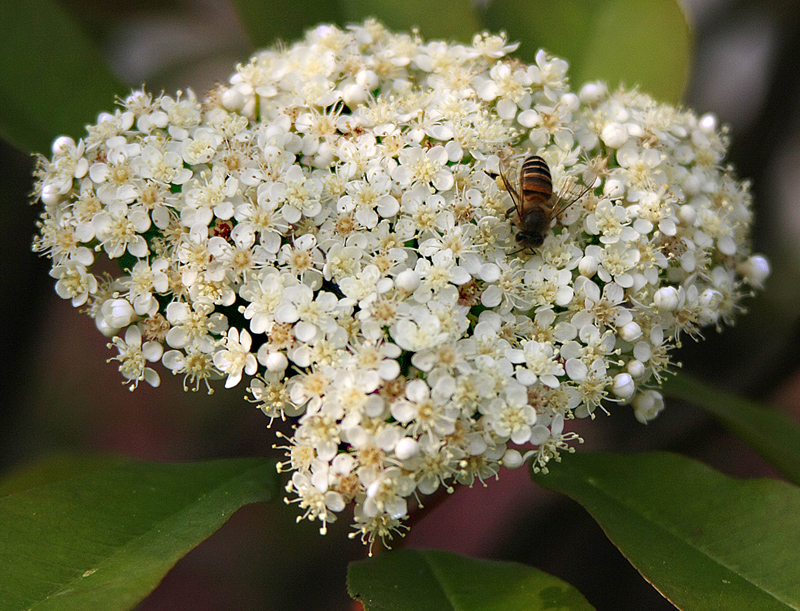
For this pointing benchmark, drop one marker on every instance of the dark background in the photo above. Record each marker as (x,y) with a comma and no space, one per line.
(61,395)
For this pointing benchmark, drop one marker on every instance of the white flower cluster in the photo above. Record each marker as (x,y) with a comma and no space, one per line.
(331,227)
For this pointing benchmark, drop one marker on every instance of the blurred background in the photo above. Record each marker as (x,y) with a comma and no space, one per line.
(60,395)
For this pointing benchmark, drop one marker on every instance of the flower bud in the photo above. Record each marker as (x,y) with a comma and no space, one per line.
(587,266)
(276,362)
(708,123)
(50,195)
(613,188)
(63,145)
(406,448)
(647,405)
(103,326)
(232,99)
(630,332)
(666,299)
(755,270)
(614,135)
(367,79)
(118,313)
(570,101)
(354,94)
(408,280)
(512,459)
(624,386)
(636,368)
(592,93)
(687,215)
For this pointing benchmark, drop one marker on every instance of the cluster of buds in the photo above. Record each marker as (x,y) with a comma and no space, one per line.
(330,228)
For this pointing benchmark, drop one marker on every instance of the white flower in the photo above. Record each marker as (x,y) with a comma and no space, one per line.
(264,294)
(438,273)
(418,167)
(508,289)
(615,262)
(133,357)
(510,416)
(208,197)
(314,499)
(261,218)
(540,364)
(303,260)
(421,331)
(235,358)
(328,224)
(193,326)
(202,147)
(422,412)
(370,198)
(163,165)
(610,222)
(493,47)
(118,229)
(301,195)
(194,363)
(386,494)
(550,286)
(548,122)
(74,282)
(143,281)
(367,283)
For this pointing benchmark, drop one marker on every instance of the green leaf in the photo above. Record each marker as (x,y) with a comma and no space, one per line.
(267,21)
(52,80)
(775,437)
(436,19)
(704,540)
(55,468)
(635,42)
(420,580)
(105,537)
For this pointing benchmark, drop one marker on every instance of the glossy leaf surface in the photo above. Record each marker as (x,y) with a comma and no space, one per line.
(430,580)
(770,433)
(704,540)
(105,537)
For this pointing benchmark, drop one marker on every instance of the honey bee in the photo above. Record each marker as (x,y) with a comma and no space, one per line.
(535,205)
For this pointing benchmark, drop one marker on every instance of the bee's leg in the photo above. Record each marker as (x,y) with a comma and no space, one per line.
(511,211)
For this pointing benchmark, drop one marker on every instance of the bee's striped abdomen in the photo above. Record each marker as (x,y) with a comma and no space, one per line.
(535,182)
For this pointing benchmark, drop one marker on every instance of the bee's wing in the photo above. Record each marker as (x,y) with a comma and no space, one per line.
(509,174)
(568,194)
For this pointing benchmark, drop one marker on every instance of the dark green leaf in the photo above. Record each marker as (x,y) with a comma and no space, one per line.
(420,580)
(53,469)
(436,19)
(104,538)
(52,80)
(635,42)
(267,21)
(774,436)
(705,540)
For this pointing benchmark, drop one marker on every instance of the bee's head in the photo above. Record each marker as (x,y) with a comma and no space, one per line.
(530,240)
